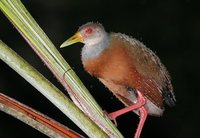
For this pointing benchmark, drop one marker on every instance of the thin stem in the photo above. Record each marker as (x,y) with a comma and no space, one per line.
(35,119)
(49,91)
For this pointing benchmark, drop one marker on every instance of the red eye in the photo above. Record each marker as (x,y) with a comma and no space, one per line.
(88,30)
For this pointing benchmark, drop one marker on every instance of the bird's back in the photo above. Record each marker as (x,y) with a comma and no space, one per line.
(149,65)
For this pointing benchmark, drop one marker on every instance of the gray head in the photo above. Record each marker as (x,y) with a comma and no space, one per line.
(93,36)
(93,33)
(89,34)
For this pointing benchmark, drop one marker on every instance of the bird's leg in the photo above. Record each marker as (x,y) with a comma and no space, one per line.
(140,102)
(143,116)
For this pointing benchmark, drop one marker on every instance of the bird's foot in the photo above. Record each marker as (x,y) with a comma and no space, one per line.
(110,117)
(141,101)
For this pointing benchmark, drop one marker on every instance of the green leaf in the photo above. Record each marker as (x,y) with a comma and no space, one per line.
(30,30)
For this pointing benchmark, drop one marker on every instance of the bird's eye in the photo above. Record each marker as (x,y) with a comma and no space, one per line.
(88,30)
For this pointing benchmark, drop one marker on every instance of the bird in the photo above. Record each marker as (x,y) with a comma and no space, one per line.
(130,70)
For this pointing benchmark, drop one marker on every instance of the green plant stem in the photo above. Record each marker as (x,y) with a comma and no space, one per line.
(50,91)
(30,30)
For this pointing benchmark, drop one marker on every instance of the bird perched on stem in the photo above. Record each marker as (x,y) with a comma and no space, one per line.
(130,70)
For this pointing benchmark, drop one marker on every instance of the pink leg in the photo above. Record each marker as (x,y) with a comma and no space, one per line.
(141,101)
(143,116)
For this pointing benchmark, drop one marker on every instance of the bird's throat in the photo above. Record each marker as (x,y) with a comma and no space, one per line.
(93,51)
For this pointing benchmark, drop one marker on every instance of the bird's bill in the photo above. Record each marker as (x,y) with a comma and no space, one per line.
(74,39)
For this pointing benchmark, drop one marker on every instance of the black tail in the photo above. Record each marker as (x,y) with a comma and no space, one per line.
(169,98)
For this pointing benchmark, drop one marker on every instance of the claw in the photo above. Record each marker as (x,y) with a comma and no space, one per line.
(111,117)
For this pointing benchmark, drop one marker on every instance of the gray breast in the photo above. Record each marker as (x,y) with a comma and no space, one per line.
(92,51)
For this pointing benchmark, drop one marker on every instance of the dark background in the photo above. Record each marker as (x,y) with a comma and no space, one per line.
(170,28)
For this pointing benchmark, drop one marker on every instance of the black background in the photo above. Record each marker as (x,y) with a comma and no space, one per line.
(170,28)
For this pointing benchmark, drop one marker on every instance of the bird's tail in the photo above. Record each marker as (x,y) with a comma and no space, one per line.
(169,98)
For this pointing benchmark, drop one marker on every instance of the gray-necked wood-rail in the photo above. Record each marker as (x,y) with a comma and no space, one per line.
(130,70)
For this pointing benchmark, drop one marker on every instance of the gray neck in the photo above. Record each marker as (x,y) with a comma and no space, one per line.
(92,51)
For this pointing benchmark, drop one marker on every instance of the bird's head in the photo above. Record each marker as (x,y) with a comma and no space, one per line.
(89,34)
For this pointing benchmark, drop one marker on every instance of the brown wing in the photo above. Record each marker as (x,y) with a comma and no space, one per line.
(145,61)
(149,66)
